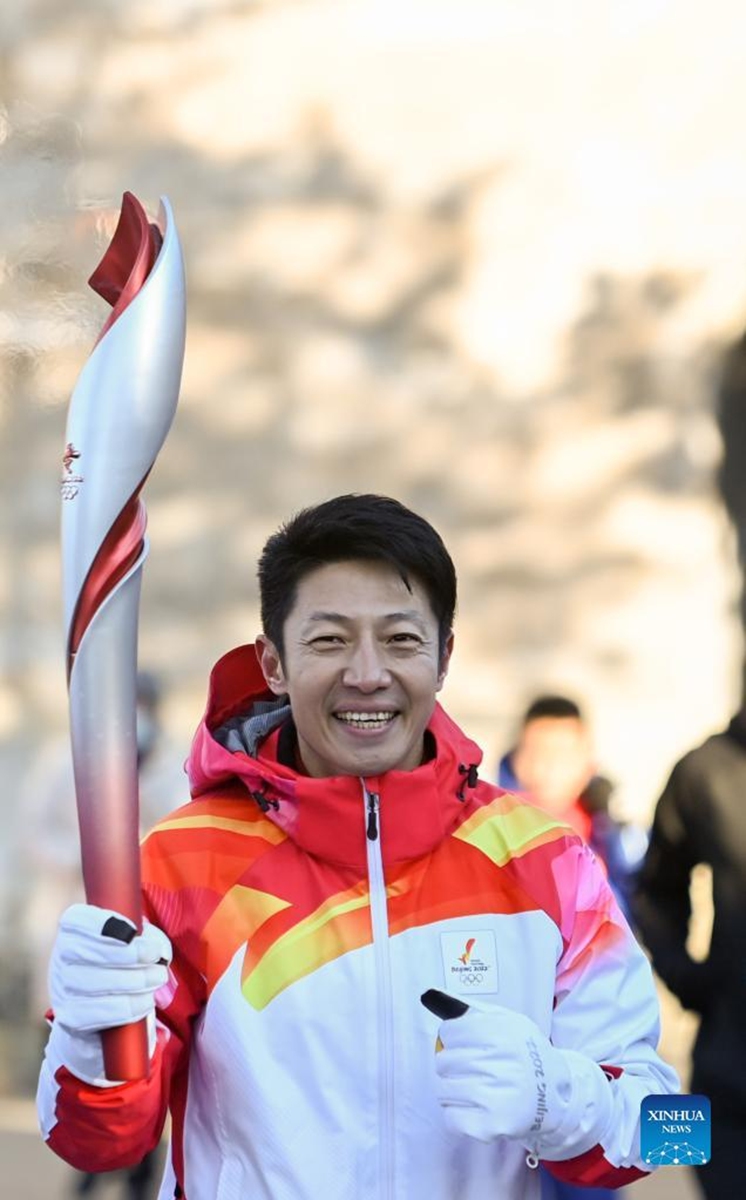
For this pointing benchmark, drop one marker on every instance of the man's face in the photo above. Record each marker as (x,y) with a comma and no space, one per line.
(553,761)
(361,668)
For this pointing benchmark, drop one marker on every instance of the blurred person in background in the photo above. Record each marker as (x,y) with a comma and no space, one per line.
(700,818)
(553,765)
(51,853)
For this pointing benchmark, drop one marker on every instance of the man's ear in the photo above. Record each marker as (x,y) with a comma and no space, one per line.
(445,661)
(271,664)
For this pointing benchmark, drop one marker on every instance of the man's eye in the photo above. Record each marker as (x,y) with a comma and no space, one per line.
(326,639)
(406,639)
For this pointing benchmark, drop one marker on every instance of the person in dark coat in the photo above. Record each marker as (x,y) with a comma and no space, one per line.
(701,818)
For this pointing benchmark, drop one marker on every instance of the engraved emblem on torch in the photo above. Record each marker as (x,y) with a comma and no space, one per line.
(119,416)
(70,483)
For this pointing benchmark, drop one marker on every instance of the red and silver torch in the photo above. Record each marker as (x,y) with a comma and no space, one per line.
(120,413)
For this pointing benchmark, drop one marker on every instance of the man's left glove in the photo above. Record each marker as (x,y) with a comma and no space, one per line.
(499,1076)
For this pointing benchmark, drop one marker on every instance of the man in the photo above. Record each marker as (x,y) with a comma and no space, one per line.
(699,818)
(340,858)
(553,764)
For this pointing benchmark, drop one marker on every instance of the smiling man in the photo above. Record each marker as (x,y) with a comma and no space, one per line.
(340,859)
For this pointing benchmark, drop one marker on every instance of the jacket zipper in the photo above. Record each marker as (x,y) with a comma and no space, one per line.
(384,992)
(371,828)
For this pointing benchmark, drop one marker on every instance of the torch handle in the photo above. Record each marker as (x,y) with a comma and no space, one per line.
(125,1047)
(126,1051)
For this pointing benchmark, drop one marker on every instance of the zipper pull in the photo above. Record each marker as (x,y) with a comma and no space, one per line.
(372,828)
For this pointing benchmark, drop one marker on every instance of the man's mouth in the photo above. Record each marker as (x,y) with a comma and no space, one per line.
(372,721)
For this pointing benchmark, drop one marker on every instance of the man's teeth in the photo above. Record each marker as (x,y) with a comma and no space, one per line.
(367,720)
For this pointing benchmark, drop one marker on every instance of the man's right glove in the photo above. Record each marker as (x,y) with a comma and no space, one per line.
(102,974)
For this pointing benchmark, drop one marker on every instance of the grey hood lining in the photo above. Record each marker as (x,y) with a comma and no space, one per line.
(244,733)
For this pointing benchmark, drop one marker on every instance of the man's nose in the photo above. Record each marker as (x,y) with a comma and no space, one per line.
(366,667)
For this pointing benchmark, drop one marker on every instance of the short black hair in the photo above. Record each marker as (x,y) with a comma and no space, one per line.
(348,528)
(552,706)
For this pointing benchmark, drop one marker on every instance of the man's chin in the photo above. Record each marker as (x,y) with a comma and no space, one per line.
(363,769)
(369,765)
(361,761)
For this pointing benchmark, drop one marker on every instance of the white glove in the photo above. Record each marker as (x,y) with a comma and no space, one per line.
(99,981)
(499,1076)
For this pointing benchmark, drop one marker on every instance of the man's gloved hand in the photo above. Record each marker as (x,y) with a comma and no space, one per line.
(499,1076)
(102,974)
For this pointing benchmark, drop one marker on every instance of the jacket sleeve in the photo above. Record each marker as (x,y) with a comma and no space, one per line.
(105,1128)
(661,903)
(606,1008)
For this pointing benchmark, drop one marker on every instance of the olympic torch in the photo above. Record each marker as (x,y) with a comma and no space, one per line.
(120,412)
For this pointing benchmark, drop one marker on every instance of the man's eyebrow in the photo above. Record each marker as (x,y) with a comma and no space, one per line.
(320,615)
(407,614)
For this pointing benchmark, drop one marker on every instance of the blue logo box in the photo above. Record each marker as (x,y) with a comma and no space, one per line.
(675,1131)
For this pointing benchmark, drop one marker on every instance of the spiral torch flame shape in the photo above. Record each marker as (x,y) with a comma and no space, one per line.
(120,413)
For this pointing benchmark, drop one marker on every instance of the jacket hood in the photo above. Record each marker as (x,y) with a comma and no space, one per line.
(235,747)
